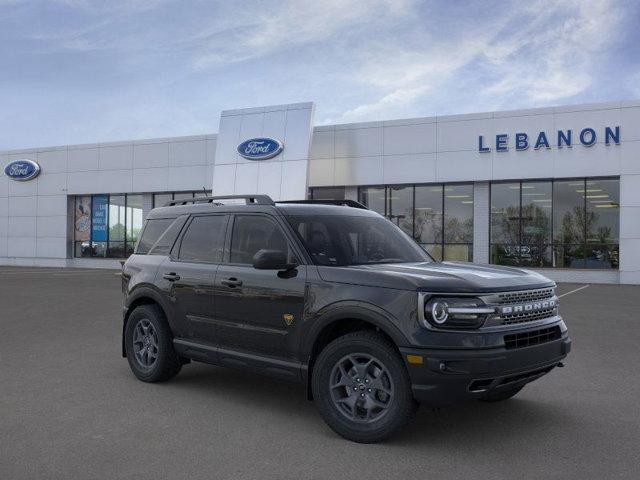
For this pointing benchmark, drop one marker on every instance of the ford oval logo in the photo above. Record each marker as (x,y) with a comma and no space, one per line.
(22,170)
(260,148)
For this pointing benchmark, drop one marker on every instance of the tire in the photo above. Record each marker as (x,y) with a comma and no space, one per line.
(501,395)
(147,329)
(348,398)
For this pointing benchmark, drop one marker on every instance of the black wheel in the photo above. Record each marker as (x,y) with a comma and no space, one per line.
(501,395)
(149,345)
(362,388)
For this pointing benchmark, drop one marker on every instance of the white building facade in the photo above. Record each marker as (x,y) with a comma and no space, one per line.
(556,190)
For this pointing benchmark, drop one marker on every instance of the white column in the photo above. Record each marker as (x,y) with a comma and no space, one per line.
(629,229)
(481,212)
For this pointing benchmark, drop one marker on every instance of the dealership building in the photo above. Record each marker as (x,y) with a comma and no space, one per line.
(553,189)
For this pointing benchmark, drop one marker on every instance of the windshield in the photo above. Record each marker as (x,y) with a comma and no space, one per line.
(339,240)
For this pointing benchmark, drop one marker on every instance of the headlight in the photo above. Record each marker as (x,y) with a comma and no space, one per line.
(455,312)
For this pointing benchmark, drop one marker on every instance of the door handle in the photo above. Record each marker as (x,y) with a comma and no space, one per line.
(172,277)
(232,282)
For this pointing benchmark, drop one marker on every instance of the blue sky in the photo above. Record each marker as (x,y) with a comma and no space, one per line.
(77,71)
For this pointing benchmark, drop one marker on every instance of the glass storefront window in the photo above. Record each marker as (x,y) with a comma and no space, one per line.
(134,221)
(373,198)
(458,222)
(327,193)
(564,223)
(439,217)
(161,199)
(400,208)
(107,225)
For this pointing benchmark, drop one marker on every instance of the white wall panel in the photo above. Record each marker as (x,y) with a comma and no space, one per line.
(52,161)
(630,157)
(51,247)
(321,172)
(463,166)
(359,171)
(22,206)
(420,138)
(52,226)
(406,168)
(83,159)
(188,178)
(188,153)
(22,227)
(117,157)
(52,183)
(51,205)
(151,155)
(358,142)
(322,144)
(150,180)
(21,246)
(4,206)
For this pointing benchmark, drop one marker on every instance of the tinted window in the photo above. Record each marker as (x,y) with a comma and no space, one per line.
(252,233)
(168,238)
(152,231)
(344,240)
(204,239)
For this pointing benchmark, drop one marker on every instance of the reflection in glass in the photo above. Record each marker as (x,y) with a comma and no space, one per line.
(373,198)
(134,221)
(458,214)
(568,212)
(428,216)
(161,199)
(535,250)
(116,218)
(327,193)
(505,213)
(458,252)
(401,208)
(603,211)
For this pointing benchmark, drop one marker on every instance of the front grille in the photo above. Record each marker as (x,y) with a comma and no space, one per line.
(513,318)
(525,295)
(534,337)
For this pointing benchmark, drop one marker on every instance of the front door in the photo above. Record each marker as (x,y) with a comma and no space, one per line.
(256,310)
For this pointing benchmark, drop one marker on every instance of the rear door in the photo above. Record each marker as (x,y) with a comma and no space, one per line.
(257,310)
(188,276)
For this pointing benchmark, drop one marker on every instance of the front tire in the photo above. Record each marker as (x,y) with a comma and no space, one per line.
(361,387)
(149,345)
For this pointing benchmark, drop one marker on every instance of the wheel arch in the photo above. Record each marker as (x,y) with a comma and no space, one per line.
(142,296)
(344,319)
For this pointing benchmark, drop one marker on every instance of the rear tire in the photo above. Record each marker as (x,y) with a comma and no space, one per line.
(149,345)
(361,387)
(501,395)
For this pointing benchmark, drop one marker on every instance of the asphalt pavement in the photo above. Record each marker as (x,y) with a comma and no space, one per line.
(71,409)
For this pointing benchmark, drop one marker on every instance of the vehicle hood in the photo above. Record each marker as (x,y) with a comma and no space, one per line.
(451,277)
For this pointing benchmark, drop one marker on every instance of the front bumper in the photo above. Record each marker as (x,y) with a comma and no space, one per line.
(448,376)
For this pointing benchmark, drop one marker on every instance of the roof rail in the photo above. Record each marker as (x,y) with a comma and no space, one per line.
(343,203)
(249,199)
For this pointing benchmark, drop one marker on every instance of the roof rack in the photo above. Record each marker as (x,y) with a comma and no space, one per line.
(249,199)
(343,203)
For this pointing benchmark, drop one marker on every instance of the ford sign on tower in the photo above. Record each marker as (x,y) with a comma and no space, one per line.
(260,148)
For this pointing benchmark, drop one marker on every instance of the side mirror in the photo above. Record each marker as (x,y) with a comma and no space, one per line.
(272,260)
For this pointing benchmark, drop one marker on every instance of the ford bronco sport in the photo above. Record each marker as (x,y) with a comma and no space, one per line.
(333,295)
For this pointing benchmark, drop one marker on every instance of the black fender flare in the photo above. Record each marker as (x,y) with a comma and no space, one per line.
(366,312)
(146,292)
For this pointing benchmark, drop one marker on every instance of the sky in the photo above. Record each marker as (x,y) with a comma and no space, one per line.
(80,71)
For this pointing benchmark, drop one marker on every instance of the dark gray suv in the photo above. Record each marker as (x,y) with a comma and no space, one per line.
(333,295)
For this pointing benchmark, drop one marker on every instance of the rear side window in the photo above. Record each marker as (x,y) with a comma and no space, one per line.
(154,228)
(204,239)
(168,238)
(252,233)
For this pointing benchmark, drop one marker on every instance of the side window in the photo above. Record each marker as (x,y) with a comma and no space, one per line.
(204,239)
(152,231)
(252,233)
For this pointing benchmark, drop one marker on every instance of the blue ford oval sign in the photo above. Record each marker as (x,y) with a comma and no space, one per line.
(22,170)
(260,148)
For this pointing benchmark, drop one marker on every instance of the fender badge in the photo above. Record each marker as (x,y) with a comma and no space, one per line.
(288,318)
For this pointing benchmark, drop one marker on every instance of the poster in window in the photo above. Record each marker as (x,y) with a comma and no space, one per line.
(83,219)
(99,218)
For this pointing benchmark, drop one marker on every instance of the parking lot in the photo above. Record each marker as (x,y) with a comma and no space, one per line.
(70,407)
